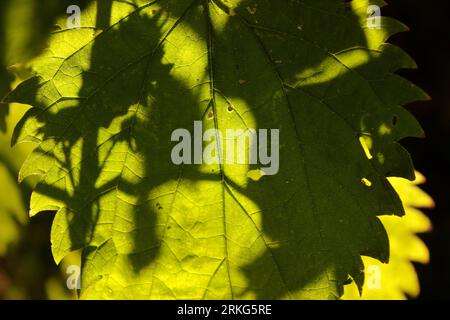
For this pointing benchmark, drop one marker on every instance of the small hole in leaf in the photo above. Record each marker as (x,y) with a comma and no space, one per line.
(394,120)
(366,182)
(366,143)
(230,109)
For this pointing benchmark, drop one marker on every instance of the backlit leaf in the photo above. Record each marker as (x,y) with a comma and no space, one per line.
(398,279)
(107,97)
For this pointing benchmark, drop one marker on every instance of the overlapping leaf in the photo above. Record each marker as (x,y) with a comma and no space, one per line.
(107,97)
(25,271)
(24,29)
(398,279)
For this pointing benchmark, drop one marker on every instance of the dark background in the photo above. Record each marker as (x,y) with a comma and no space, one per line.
(428,43)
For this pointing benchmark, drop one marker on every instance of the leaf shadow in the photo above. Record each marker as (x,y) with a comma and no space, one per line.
(131,124)
(34,20)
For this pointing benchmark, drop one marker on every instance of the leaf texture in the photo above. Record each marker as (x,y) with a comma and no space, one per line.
(25,27)
(107,97)
(398,280)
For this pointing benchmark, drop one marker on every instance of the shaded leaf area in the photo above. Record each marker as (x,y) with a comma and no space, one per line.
(106,102)
(25,26)
(27,270)
(398,279)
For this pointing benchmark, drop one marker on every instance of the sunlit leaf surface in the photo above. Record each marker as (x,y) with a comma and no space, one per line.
(398,279)
(106,98)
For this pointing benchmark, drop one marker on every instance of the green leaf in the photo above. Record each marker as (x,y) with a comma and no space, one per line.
(24,268)
(398,279)
(107,97)
(25,26)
